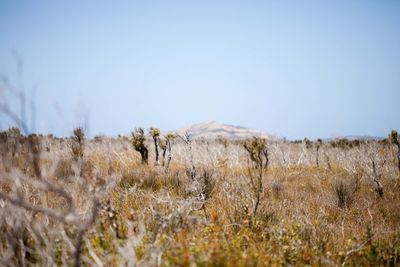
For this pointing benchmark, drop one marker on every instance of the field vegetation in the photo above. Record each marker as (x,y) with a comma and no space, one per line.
(158,199)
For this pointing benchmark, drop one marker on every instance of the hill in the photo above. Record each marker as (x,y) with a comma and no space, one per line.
(213,129)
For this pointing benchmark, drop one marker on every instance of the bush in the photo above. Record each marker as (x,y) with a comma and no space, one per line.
(77,146)
(138,140)
(345,193)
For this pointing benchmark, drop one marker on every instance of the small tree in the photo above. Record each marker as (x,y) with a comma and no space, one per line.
(138,140)
(394,138)
(258,153)
(77,147)
(155,134)
(318,146)
(306,142)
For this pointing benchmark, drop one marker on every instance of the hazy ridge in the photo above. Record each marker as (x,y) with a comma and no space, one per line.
(213,129)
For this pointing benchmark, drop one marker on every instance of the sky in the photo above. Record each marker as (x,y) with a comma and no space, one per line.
(291,68)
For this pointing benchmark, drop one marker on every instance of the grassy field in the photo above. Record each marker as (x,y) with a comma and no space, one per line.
(93,202)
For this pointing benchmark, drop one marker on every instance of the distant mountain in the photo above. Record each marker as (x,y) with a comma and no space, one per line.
(356,137)
(211,130)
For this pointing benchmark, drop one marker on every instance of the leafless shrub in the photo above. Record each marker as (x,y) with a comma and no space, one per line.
(170,137)
(258,153)
(191,170)
(377,176)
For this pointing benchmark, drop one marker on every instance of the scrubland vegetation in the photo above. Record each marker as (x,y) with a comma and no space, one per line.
(155,199)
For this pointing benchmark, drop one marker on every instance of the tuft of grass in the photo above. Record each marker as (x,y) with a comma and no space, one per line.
(344,194)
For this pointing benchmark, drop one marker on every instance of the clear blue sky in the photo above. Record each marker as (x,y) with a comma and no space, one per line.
(292,68)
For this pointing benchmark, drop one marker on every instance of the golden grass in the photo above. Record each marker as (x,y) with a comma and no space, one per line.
(155,218)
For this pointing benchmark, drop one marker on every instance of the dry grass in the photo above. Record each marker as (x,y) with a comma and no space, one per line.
(308,215)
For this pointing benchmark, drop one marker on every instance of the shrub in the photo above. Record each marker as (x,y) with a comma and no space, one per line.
(258,153)
(138,140)
(345,191)
(77,147)
(344,195)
